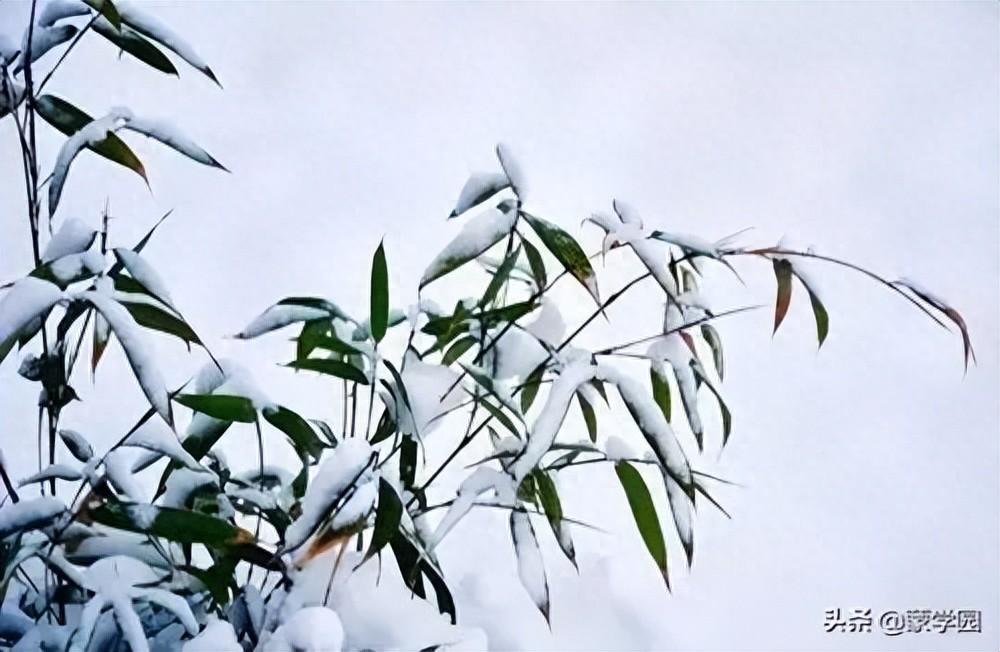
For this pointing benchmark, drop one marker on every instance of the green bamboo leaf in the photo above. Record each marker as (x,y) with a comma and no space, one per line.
(589,417)
(819,311)
(331,368)
(661,391)
(220,406)
(155,318)
(69,119)
(386,428)
(536,263)
(783,274)
(499,415)
(387,518)
(129,40)
(567,251)
(178,525)
(548,496)
(727,417)
(487,383)
(644,513)
(531,385)
(500,277)
(297,429)
(456,350)
(379,317)
(107,9)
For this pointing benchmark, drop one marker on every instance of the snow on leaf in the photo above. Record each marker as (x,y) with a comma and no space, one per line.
(476,236)
(644,514)
(512,170)
(480,187)
(119,470)
(43,39)
(74,237)
(93,133)
(530,568)
(715,342)
(136,350)
(345,465)
(77,445)
(311,629)
(69,119)
(54,471)
(680,507)
(567,251)
(481,480)
(155,436)
(648,416)
(27,300)
(145,274)
(129,40)
(171,137)
(151,27)
(675,350)
(218,636)
(55,10)
(72,268)
(279,316)
(29,514)
(543,431)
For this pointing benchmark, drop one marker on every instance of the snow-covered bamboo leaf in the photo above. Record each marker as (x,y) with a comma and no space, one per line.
(93,132)
(680,509)
(69,119)
(644,513)
(137,351)
(29,514)
(150,27)
(512,170)
(55,10)
(74,237)
(715,342)
(567,251)
(302,436)
(52,472)
(499,277)
(218,406)
(26,301)
(178,525)
(379,305)
(171,137)
(548,496)
(476,236)
(331,367)
(144,274)
(783,274)
(661,389)
(387,518)
(129,40)
(530,568)
(480,187)
(70,269)
(286,312)
(77,445)
(44,39)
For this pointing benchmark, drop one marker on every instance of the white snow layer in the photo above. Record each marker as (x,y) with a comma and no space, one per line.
(512,169)
(530,568)
(73,237)
(137,350)
(55,10)
(279,316)
(218,636)
(144,273)
(342,467)
(480,187)
(28,514)
(26,300)
(476,236)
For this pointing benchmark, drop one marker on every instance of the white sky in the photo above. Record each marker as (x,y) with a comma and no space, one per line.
(869,130)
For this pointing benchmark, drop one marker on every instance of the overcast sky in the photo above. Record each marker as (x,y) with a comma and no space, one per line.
(870,130)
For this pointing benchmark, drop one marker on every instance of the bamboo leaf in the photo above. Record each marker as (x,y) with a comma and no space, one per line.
(69,119)
(567,251)
(297,429)
(220,406)
(644,513)
(379,316)
(178,525)
(783,274)
(129,40)
(330,367)
(387,518)
(661,390)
